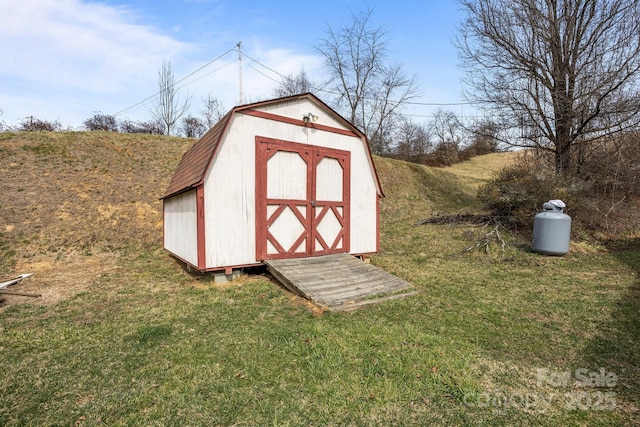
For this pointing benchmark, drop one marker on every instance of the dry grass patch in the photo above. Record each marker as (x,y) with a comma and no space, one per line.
(60,278)
(480,169)
(70,199)
(134,339)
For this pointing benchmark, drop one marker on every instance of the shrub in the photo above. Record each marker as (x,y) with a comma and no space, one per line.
(101,122)
(193,127)
(613,166)
(602,198)
(518,190)
(33,124)
(150,127)
(444,154)
(610,170)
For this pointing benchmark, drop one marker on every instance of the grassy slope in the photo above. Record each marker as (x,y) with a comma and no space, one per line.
(478,170)
(138,341)
(69,195)
(65,190)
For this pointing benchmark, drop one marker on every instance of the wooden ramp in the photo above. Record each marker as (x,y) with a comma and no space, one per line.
(338,282)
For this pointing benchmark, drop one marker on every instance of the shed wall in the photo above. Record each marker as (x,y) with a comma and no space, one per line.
(180,226)
(296,108)
(229,191)
(229,202)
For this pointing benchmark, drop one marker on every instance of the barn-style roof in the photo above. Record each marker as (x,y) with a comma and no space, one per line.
(195,161)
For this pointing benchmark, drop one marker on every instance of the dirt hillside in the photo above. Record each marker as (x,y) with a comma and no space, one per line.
(72,201)
(69,200)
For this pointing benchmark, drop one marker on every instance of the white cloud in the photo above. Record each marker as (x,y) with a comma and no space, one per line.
(65,59)
(285,62)
(63,50)
(78,45)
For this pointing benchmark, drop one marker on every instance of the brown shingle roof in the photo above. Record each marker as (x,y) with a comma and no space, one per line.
(194,162)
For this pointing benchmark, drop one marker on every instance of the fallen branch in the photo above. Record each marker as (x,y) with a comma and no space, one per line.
(456,219)
(473,220)
(485,241)
(464,218)
(22,294)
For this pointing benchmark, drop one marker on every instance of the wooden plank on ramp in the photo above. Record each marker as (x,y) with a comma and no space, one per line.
(339,281)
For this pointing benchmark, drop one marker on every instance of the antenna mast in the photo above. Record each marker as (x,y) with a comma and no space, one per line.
(240,97)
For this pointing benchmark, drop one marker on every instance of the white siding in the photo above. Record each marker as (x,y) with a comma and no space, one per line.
(230,221)
(363,203)
(296,108)
(180,226)
(229,195)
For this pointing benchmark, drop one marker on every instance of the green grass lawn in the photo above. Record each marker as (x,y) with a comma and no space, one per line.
(151,346)
(489,339)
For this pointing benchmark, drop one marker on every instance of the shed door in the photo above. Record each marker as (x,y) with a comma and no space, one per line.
(302,197)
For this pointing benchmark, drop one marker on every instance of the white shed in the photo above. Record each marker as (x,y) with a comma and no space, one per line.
(284,178)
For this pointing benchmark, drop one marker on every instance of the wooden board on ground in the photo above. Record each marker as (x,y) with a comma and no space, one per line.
(14,280)
(338,282)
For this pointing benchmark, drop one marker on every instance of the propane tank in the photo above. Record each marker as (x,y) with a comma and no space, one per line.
(552,229)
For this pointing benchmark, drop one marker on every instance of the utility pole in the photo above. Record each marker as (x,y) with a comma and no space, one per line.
(240,97)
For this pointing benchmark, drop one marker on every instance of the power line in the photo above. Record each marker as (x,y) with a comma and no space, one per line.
(436,104)
(208,74)
(282,76)
(258,71)
(428,104)
(262,65)
(175,83)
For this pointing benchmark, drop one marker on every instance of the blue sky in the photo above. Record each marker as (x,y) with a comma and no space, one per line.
(66,59)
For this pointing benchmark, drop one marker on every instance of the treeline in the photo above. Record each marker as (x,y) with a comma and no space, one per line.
(187,125)
(192,127)
(443,141)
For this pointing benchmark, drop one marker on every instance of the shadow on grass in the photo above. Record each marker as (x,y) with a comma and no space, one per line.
(616,347)
(209,276)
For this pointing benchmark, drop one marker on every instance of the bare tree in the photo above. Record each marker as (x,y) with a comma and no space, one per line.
(167,108)
(294,85)
(193,127)
(370,91)
(101,122)
(484,136)
(562,72)
(446,128)
(413,141)
(213,111)
(449,136)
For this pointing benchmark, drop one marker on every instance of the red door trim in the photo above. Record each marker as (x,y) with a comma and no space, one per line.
(267,147)
(345,233)
(200,224)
